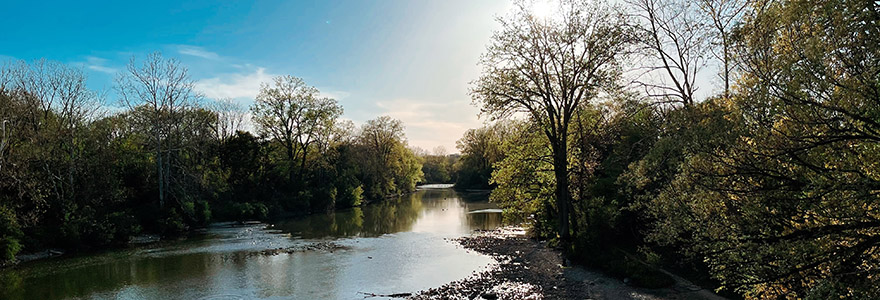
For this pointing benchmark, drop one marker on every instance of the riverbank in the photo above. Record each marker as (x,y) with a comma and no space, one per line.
(529,269)
(386,248)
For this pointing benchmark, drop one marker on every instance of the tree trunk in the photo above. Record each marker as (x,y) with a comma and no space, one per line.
(161,177)
(563,195)
(292,160)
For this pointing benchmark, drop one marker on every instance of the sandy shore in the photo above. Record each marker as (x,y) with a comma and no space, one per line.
(528,269)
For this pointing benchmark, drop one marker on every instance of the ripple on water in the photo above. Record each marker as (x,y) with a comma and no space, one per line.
(396,246)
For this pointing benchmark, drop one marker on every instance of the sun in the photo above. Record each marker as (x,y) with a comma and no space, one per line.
(542,9)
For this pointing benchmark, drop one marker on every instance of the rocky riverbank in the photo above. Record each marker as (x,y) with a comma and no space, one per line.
(528,269)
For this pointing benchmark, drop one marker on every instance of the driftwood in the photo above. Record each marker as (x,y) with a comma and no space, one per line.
(397,295)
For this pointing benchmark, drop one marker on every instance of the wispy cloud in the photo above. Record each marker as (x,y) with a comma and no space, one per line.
(240,86)
(98,64)
(338,95)
(197,52)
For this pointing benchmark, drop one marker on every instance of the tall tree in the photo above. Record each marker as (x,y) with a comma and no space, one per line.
(230,117)
(390,167)
(547,67)
(295,116)
(724,16)
(787,205)
(676,40)
(159,92)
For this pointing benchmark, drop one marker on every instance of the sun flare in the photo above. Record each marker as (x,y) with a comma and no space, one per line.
(542,9)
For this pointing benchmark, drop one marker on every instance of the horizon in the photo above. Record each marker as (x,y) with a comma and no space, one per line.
(376,59)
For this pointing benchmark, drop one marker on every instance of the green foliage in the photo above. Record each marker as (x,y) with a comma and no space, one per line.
(771,187)
(480,149)
(525,181)
(71,178)
(439,168)
(172,223)
(387,167)
(10,233)
(351,196)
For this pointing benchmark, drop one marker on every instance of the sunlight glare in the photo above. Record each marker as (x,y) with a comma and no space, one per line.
(542,9)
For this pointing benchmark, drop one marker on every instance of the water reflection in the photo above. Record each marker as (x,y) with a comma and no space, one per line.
(395,246)
(430,210)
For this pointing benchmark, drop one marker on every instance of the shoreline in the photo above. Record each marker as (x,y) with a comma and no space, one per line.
(528,269)
(150,238)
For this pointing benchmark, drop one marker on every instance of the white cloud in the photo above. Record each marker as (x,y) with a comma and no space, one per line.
(98,64)
(197,52)
(338,95)
(240,86)
(432,123)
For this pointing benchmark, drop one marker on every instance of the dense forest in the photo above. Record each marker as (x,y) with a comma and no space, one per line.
(769,183)
(75,176)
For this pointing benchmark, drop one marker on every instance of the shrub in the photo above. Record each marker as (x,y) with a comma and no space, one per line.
(10,234)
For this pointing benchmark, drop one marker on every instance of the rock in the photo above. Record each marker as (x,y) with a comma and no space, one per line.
(489,295)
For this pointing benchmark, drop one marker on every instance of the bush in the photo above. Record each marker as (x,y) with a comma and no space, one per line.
(350,196)
(202,212)
(10,234)
(172,224)
(124,226)
(619,264)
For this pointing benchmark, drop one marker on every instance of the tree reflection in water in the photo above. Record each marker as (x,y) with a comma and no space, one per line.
(223,260)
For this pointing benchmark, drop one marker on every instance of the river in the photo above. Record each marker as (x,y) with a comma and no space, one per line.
(396,246)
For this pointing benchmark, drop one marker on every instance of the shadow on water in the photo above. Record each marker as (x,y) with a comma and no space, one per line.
(392,246)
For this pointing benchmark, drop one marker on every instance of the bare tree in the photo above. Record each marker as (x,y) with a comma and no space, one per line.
(440,151)
(230,116)
(676,40)
(724,15)
(59,91)
(56,88)
(547,68)
(158,92)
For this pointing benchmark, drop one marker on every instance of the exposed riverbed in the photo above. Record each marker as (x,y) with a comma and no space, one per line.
(397,246)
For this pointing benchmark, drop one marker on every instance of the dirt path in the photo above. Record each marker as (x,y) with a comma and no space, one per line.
(528,269)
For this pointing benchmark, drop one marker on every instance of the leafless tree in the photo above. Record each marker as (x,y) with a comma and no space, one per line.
(230,116)
(159,91)
(724,15)
(676,42)
(57,90)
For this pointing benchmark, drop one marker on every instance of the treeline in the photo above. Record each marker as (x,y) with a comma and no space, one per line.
(770,184)
(74,176)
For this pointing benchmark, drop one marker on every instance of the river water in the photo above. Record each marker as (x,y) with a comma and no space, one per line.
(397,246)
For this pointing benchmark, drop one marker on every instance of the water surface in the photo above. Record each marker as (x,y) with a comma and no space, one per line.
(397,246)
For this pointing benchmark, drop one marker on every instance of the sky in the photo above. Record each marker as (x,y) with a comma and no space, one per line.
(411,60)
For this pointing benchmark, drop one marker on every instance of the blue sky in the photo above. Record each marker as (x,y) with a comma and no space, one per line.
(411,60)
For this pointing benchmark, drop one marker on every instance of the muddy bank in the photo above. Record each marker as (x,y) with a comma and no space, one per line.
(528,269)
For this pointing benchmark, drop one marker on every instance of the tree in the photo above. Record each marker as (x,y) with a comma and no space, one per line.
(480,149)
(546,68)
(158,92)
(724,15)
(782,200)
(295,116)
(389,166)
(230,117)
(676,39)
